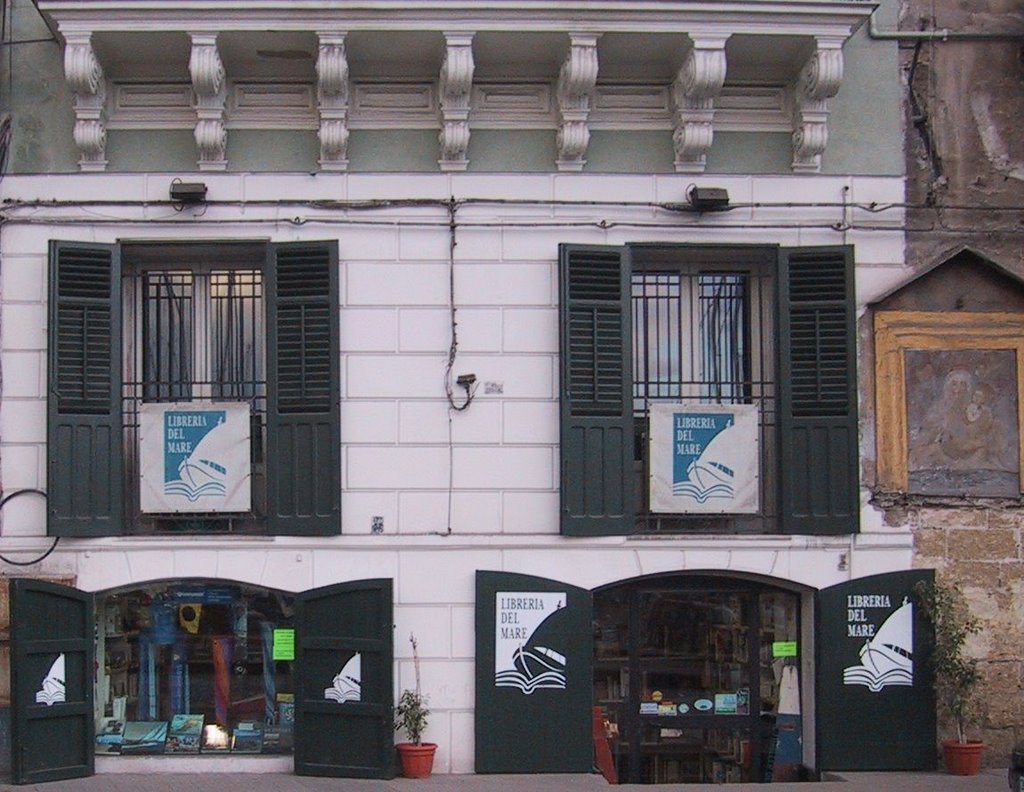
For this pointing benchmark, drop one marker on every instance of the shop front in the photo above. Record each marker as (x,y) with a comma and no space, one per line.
(703,677)
(699,679)
(201,667)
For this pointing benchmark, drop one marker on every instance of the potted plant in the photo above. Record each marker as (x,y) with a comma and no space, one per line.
(956,673)
(416,757)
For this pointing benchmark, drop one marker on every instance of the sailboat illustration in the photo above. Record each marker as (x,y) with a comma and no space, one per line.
(348,683)
(713,473)
(53,690)
(888,657)
(198,475)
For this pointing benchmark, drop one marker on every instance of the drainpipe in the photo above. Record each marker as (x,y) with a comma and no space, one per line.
(940,34)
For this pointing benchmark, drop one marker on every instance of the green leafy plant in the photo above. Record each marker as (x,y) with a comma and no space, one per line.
(956,672)
(411,711)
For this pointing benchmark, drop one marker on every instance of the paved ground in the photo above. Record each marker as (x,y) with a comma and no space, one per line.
(988,781)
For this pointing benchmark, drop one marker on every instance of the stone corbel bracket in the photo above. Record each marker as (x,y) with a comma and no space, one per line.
(332,98)
(818,82)
(85,77)
(210,86)
(576,83)
(456,86)
(698,83)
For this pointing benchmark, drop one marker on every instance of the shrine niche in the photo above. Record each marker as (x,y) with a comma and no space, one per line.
(948,384)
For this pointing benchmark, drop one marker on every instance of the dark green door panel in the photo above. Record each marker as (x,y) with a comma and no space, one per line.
(818,391)
(303,362)
(870,634)
(84,426)
(596,389)
(351,737)
(52,657)
(533,712)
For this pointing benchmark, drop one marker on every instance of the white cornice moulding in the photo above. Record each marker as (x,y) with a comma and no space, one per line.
(85,78)
(778,17)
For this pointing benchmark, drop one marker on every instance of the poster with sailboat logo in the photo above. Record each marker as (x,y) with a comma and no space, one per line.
(704,458)
(194,457)
(887,656)
(520,662)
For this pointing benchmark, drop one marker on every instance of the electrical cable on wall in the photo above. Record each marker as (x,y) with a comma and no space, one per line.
(56,539)
(466,381)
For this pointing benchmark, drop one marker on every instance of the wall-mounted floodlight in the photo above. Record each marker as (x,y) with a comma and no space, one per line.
(708,199)
(188,192)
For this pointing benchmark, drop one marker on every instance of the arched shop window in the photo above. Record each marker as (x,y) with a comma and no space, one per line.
(698,680)
(194,666)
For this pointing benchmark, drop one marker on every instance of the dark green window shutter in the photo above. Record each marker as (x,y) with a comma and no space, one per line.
(84,426)
(303,392)
(818,391)
(596,391)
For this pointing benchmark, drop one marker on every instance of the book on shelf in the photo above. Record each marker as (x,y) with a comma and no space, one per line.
(109,735)
(247,737)
(144,737)
(185,733)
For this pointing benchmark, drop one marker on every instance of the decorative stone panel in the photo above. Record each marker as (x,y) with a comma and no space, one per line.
(85,77)
(818,82)
(332,99)
(210,86)
(576,83)
(455,88)
(698,83)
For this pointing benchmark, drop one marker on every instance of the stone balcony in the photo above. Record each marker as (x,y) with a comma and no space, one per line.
(454,65)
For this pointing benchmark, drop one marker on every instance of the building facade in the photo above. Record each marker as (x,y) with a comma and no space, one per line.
(964,193)
(539,332)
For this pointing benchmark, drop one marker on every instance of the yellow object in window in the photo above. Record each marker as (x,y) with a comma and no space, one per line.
(188,616)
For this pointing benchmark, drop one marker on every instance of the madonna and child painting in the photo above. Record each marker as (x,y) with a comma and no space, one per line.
(962,422)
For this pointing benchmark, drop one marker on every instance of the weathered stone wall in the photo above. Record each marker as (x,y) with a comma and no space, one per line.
(977,547)
(965,167)
(965,152)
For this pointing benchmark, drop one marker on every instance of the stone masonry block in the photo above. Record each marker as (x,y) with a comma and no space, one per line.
(952,518)
(508,284)
(368,329)
(930,542)
(990,544)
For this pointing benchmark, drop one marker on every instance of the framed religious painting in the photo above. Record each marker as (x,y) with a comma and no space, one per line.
(947,396)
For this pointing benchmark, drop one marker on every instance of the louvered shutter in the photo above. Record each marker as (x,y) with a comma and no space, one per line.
(84,426)
(818,391)
(596,391)
(303,432)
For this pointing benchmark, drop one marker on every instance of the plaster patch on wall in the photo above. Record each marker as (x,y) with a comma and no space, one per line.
(994,145)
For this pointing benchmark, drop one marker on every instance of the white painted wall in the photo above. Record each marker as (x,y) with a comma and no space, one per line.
(395,424)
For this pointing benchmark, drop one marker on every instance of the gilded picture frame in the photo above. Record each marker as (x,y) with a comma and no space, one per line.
(995,337)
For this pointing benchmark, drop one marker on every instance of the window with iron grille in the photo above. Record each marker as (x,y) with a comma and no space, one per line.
(702,329)
(708,324)
(194,323)
(194,330)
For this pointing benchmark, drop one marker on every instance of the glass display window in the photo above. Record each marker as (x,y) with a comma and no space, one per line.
(697,679)
(194,667)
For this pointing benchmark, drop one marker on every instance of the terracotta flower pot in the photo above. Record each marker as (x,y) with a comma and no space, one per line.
(417,760)
(962,758)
